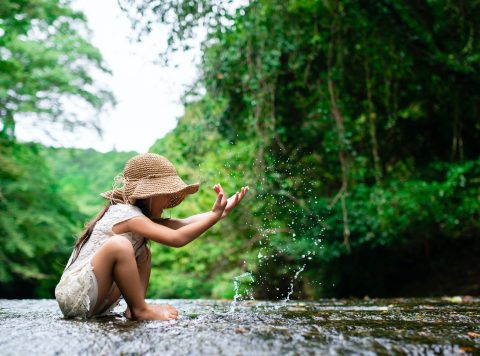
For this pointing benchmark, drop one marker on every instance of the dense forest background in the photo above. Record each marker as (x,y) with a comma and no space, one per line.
(355,123)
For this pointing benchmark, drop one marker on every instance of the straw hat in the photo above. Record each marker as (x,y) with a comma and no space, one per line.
(146,175)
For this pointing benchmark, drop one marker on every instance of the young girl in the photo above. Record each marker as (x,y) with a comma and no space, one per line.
(111,260)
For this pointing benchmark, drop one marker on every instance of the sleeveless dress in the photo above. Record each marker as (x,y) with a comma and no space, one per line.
(77,290)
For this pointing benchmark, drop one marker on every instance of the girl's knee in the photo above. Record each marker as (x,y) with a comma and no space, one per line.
(120,244)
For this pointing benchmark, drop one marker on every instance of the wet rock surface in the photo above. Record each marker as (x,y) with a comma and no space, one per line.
(206,327)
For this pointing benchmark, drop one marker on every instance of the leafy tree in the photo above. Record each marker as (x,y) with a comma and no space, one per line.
(45,60)
(355,124)
(83,174)
(37,224)
(351,112)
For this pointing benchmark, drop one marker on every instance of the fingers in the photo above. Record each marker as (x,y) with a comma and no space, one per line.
(224,198)
(221,201)
(243,191)
(218,189)
(219,198)
(237,197)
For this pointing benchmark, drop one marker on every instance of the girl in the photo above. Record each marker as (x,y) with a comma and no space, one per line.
(111,260)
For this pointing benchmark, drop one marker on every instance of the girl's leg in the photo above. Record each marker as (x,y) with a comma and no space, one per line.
(144,264)
(115,261)
(143,267)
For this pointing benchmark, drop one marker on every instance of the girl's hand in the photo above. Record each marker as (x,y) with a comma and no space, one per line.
(233,200)
(221,202)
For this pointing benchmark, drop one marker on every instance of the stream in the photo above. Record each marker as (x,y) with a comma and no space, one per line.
(219,327)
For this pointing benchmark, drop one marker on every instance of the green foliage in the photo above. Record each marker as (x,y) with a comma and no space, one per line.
(83,174)
(45,60)
(204,267)
(354,120)
(355,124)
(37,224)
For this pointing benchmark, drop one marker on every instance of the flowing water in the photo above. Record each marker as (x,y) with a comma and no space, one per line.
(291,283)
(209,327)
(237,281)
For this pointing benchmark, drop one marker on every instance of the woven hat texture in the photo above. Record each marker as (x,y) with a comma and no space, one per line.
(146,175)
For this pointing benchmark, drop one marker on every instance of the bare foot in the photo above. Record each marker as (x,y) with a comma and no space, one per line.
(128,314)
(154,312)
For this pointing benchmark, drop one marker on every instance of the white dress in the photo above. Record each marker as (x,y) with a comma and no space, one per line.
(77,290)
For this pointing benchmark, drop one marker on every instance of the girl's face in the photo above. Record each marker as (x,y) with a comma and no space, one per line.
(158,203)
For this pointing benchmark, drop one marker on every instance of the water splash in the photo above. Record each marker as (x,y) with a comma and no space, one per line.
(291,283)
(236,287)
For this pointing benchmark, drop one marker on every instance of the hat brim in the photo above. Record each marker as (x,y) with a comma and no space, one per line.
(173,186)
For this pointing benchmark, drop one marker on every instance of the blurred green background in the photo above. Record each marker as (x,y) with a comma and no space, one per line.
(356,125)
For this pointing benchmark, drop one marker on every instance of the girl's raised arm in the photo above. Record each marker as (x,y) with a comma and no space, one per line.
(180,237)
(173,223)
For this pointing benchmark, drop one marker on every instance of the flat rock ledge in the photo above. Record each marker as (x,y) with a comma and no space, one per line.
(219,327)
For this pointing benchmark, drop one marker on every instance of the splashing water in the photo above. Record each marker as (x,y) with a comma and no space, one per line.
(291,283)
(236,287)
(289,224)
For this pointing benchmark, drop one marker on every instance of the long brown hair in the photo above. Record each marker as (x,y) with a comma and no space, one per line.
(89,226)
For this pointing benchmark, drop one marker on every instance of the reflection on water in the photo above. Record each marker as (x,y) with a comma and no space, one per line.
(329,326)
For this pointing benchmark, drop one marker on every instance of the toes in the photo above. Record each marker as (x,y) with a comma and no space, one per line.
(172,308)
(168,306)
(169,311)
